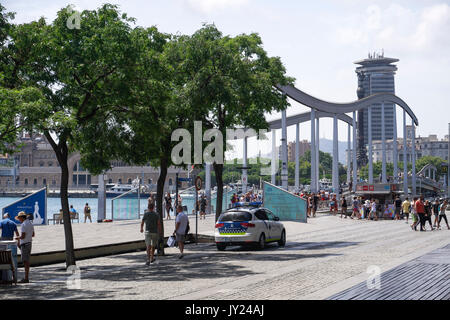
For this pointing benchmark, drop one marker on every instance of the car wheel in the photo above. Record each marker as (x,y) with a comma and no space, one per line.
(262,241)
(221,246)
(282,241)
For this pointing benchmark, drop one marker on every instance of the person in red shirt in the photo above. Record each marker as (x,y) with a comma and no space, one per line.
(420,210)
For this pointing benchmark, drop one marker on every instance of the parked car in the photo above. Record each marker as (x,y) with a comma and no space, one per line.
(248,225)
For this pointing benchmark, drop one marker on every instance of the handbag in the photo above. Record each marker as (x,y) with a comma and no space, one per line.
(171,241)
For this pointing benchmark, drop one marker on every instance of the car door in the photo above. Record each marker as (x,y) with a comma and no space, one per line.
(275,226)
(263,222)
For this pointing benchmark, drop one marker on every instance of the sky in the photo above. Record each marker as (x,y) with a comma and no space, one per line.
(318,42)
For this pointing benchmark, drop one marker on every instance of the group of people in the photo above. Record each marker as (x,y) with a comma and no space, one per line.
(24,239)
(168,203)
(362,209)
(73,213)
(422,212)
(245,197)
(153,230)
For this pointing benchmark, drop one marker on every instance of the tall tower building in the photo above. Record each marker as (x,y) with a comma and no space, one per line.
(375,75)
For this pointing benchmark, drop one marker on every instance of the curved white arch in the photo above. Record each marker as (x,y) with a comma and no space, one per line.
(305,117)
(340,108)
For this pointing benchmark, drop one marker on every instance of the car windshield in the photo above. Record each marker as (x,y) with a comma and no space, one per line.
(236,216)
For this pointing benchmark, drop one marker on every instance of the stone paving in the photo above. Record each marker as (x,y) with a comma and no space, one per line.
(321,258)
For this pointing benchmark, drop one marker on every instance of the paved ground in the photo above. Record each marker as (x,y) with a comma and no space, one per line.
(51,237)
(321,258)
(424,278)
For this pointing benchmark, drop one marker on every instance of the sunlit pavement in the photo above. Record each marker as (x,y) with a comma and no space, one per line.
(321,258)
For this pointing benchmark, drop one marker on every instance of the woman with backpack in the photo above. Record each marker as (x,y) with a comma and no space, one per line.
(442,214)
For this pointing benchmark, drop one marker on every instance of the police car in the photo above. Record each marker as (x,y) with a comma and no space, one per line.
(248,224)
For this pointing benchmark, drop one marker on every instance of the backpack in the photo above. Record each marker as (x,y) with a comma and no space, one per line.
(188,228)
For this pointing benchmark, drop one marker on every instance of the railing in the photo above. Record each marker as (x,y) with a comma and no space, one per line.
(127,206)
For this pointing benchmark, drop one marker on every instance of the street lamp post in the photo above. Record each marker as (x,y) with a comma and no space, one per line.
(448,169)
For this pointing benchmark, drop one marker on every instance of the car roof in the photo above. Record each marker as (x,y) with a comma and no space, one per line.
(244,208)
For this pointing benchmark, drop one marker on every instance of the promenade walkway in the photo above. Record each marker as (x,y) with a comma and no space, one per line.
(322,258)
(424,278)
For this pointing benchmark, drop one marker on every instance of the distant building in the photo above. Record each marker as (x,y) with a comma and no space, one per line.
(424,146)
(37,166)
(375,75)
(304,146)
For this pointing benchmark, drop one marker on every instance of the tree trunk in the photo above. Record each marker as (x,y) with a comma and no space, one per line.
(70,253)
(62,154)
(218,170)
(159,200)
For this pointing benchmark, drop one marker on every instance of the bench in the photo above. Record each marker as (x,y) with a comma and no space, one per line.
(58,218)
(7,264)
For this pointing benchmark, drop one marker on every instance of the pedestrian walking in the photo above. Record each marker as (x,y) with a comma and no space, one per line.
(334,205)
(203,203)
(87,212)
(367,209)
(428,215)
(420,210)
(315,200)
(181,228)
(436,205)
(9,228)
(344,207)
(373,210)
(168,201)
(153,230)
(406,206)
(414,216)
(25,243)
(442,214)
(355,207)
(309,206)
(398,207)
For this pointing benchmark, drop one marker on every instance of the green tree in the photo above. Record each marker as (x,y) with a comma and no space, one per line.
(80,72)
(230,82)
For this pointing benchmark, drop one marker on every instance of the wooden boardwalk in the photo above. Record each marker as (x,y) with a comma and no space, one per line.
(424,278)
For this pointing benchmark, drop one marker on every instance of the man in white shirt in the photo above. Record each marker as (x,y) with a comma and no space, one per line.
(181,223)
(25,240)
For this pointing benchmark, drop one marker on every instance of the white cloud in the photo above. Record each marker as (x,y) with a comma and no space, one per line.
(434,26)
(398,28)
(210,6)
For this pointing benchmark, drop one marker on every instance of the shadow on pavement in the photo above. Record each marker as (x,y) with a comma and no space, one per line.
(200,262)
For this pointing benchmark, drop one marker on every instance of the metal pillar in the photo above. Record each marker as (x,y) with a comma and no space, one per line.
(274,157)
(405,158)
(313,151)
(369,129)
(394,145)
(413,155)
(244,171)
(349,137)
(284,160)
(383,146)
(297,156)
(101,206)
(335,181)
(208,187)
(355,162)
(317,155)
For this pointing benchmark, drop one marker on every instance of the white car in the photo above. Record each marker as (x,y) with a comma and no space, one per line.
(248,225)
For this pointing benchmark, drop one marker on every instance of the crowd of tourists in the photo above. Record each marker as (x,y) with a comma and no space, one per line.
(423,211)
(245,197)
